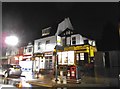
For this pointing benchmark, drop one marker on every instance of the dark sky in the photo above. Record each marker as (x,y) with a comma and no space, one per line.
(27,19)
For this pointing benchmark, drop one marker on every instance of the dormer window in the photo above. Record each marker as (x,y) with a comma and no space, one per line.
(46,31)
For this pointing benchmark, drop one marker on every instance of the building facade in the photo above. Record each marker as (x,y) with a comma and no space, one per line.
(71,46)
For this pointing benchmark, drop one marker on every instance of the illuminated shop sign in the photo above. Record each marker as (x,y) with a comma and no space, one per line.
(83,48)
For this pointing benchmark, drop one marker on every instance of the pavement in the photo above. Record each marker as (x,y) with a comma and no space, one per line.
(48,80)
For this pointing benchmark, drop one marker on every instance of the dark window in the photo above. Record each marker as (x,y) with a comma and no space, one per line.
(50,57)
(86,42)
(46,57)
(50,60)
(30,49)
(63,42)
(39,43)
(47,42)
(73,40)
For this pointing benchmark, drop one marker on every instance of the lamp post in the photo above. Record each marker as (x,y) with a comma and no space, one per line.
(56,62)
(11,42)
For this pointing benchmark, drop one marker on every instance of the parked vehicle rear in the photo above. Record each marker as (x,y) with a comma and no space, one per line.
(10,70)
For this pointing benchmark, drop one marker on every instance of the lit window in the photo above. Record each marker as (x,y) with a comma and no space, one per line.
(81,56)
(73,40)
(46,31)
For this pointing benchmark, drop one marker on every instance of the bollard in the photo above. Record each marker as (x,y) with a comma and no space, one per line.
(68,74)
(20,85)
(64,80)
(61,76)
(37,75)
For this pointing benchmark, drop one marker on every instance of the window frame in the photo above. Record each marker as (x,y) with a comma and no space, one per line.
(47,42)
(74,40)
(38,45)
(29,48)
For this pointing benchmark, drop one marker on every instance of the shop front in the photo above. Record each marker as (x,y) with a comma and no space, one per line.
(25,62)
(75,59)
(38,61)
(49,60)
(43,61)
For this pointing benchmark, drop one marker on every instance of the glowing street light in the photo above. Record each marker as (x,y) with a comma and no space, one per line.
(11,40)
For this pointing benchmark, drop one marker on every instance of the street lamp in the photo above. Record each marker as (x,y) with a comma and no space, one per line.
(11,42)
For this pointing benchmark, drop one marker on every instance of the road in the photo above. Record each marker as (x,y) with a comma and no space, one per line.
(5,83)
(12,81)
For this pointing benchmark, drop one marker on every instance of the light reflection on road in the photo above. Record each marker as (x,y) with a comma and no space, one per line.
(16,80)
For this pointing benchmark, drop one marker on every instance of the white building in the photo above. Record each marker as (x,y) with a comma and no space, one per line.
(25,56)
(28,51)
(46,44)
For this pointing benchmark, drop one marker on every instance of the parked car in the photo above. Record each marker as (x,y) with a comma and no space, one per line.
(8,70)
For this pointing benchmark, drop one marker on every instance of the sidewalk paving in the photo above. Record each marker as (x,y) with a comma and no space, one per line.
(48,81)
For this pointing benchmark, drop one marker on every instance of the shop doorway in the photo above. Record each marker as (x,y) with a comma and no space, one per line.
(48,62)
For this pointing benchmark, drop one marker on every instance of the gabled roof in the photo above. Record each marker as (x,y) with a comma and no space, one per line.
(61,28)
(64,25)
(57,29)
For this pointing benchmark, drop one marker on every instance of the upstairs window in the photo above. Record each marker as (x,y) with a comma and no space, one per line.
(39,43)
(47,42)
(46,31)
(30,49)
(63,41)
(86,42)
(73,40)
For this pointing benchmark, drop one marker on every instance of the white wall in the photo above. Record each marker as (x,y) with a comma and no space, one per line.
(51,46)
(79,39)
(44,47)
(26,50)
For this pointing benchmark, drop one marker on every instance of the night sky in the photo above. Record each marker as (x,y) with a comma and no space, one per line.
(92,20)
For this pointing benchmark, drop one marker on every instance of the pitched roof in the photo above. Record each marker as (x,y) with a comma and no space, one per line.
(64,25)
(58,28)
